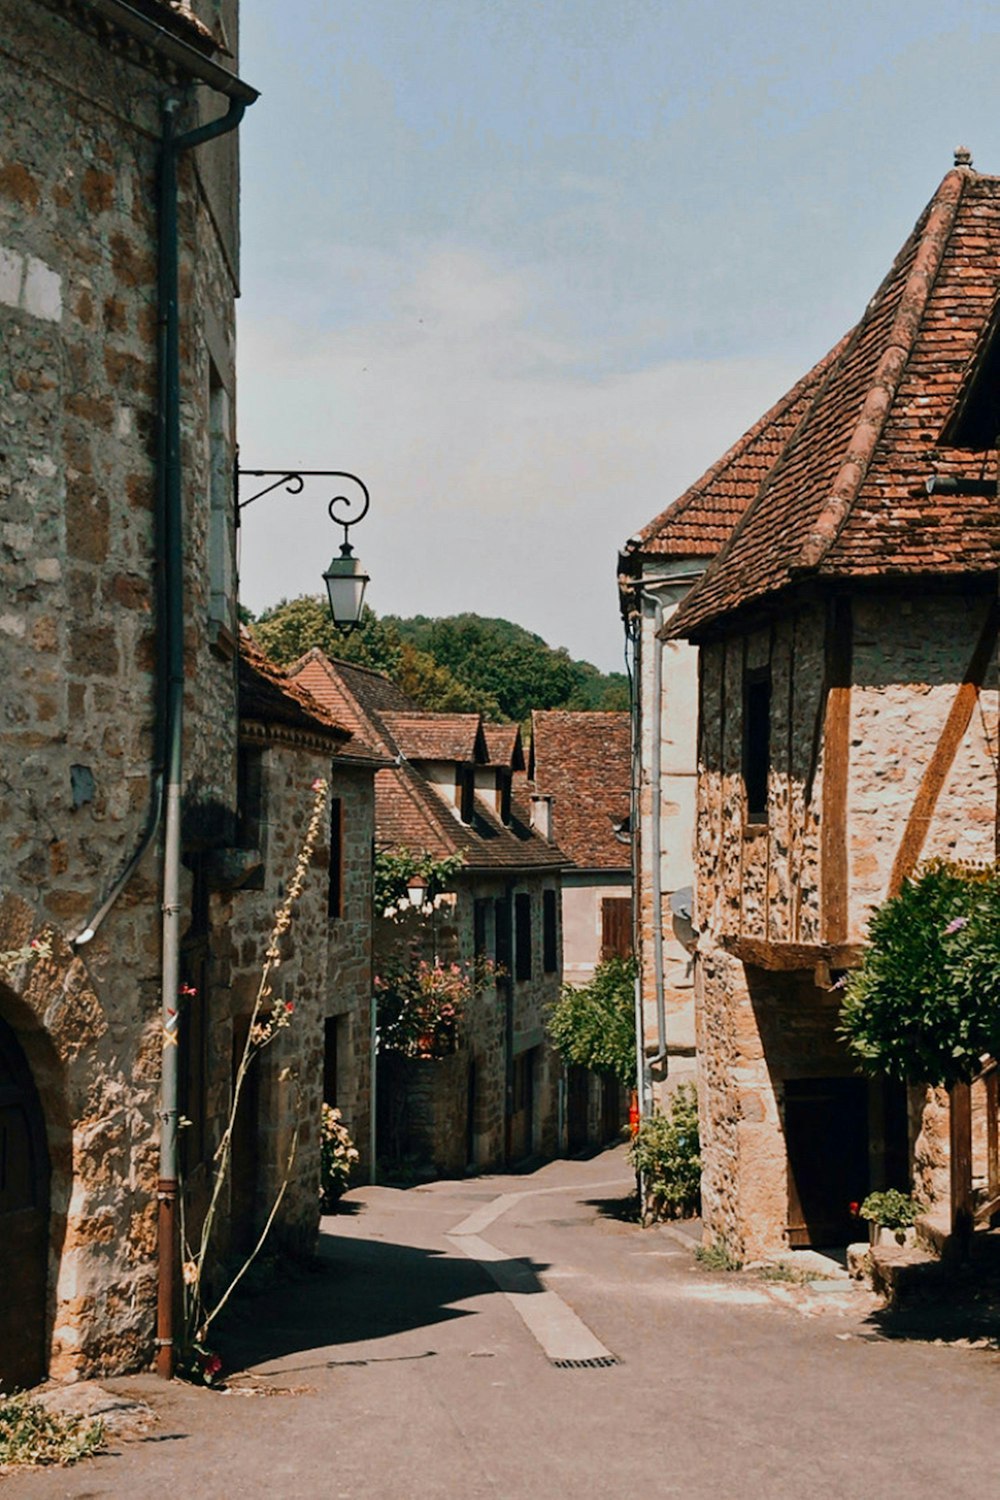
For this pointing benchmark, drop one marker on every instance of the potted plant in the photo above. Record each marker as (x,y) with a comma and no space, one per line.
(890,1213)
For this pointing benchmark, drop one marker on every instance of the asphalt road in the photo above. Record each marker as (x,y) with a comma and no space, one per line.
(422,1361)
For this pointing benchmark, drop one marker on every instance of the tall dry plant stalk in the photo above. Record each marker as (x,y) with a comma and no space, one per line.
(266,1020)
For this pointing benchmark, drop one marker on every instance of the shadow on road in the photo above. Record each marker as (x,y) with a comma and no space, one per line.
(625,1209)
(359,1290)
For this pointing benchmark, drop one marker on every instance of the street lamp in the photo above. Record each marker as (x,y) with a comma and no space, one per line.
(345,578)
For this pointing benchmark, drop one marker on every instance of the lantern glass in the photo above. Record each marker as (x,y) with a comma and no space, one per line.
(345,586)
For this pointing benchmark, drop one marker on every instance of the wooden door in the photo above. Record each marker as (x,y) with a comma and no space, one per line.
(826,1135)
(24,1220)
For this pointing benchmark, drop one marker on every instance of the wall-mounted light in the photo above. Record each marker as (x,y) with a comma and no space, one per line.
(345,578)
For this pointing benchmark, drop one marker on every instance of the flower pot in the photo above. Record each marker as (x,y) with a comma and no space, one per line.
(881,1235)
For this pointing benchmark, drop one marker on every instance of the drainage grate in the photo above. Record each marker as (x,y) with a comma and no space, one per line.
(601,1363)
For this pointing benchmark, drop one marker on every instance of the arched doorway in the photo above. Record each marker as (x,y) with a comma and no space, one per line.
(24,1220)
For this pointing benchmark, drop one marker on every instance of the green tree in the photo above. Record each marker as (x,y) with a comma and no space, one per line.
(292,627)
(593,1025)
(434,687)
(925,1003)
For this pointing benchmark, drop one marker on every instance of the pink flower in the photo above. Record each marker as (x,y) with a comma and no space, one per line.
(289,1006)
(956,925)
(188,990)
(318,784)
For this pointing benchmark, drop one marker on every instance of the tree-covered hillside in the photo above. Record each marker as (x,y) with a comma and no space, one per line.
(457,664)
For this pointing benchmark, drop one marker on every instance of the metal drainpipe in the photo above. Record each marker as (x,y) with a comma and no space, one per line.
(633,635)
(655,837)
(170,509)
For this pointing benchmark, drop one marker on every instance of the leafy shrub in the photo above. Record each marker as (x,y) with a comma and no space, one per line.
(338,1156)
(31,1434)
(667,1152)
(892,1209)
(925,1003)
(593,1025)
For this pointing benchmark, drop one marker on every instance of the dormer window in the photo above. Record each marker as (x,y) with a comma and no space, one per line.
(504,780)
(465,792)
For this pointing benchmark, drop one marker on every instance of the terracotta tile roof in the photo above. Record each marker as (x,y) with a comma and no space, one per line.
(699,521)
(846,498)
(356,695)
(266,692)
(503,745)
(409,813)
(583,761)
(429,736)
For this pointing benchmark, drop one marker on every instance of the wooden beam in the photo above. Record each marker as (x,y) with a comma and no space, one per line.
(941,761)
(836,766)
(764,954)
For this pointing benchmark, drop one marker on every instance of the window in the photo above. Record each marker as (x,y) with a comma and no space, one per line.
(550,932)
(503,796)
(335,898)
(465,792)
(616,927)
(250,797)
(757,743)
(522,935)
(501,921)
(221,526)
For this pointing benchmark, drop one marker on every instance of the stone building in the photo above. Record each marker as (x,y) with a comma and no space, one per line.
(846,636)
(579,779)
(657,568)
(116,557)
(130,727)
(449,792)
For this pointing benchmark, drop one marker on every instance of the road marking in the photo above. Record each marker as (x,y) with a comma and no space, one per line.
(555,1327)
(483,1217)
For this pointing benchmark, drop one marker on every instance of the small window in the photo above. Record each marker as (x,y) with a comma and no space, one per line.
(503,796)
(502,933)
(550,932)
(616,927)
(522,935)
(757,744)
(465,792)
(250,797)
(335,897)
(222,528)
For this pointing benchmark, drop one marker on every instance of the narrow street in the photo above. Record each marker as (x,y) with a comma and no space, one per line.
(421,1360)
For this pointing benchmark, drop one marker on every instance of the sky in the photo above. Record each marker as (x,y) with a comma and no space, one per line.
(528,267)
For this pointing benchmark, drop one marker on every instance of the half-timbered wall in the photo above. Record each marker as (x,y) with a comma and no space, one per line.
(883,751)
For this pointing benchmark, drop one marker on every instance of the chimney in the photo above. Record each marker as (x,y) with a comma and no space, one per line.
(541,816)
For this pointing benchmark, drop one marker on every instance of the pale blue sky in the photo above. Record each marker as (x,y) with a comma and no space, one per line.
(529,268)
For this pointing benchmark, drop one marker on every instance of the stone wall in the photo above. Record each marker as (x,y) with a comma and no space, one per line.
(441,1131)
(766,881)
(349,984)
(78,371)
